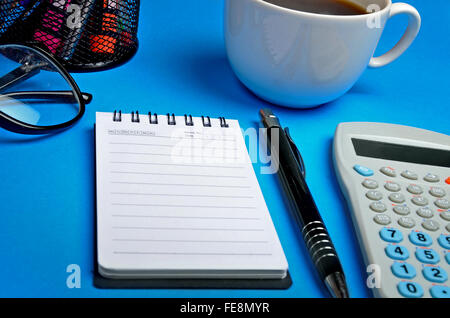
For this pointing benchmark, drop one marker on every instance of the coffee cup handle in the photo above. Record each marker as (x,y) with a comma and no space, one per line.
(411,32)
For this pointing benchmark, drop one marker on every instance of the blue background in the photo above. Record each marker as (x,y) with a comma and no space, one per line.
(47,183)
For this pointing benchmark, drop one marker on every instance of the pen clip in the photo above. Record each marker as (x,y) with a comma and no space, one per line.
(296,152)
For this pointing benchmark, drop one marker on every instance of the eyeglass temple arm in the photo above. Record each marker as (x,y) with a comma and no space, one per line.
(86,97)
(54,95)
(17,76)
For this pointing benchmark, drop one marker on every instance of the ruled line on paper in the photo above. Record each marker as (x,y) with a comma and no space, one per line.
(185,206)
(185,229)
(177,138)
(188,241)
(171,155)
(177,174)
(197,253)
(183,184)
(177,164)
(172,146)
(184,217)
(139,144)
(185,195)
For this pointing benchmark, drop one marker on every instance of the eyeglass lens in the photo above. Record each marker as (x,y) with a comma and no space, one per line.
(33,90)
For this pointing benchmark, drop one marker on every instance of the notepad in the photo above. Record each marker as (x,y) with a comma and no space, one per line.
(177,197)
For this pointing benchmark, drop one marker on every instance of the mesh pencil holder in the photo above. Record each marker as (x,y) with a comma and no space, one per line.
(84,35)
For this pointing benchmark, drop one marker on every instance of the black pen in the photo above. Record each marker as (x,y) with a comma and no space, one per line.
(292,174)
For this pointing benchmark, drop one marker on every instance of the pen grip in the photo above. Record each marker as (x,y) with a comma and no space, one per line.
(321,249)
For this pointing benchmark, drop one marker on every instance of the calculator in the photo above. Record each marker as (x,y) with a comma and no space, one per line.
(396,180)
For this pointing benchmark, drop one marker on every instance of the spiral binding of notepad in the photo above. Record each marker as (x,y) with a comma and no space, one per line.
(171,120)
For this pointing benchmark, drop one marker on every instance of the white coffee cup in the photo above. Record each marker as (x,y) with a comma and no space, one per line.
(302,59)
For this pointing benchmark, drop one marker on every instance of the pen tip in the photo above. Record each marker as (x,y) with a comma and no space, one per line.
(336,285)
(262,112)
(265,112)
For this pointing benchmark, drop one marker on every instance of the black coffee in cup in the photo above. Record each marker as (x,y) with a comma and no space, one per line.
(332,7)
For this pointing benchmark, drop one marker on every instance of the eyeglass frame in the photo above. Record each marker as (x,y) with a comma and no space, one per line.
(14,125)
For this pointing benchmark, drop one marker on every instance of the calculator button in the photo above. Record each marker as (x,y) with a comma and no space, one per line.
(425,212)
(364,171)
(370,184)
(440,291)
(448,227)
(401,209)
(447,257)
(447,180)
(421,201)
(437,192)
(391,235)
(445,215)
(444,241)
(397,197)
(382,219)
(420,238)
(414,189)
(431,225)
(410,289)
(403,270)
(374,195)
(435,274)
(427,256)
(397,252)
(430,177)
(392,186)
(409,175)
(378,207)
(442,203)
(406,222)
(388,172)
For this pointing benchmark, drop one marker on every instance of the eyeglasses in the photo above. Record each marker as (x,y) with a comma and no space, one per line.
(37,95)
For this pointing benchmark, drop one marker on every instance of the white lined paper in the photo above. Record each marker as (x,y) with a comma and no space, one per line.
(180,201)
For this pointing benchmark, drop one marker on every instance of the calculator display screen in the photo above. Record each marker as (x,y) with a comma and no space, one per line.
(397,152)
